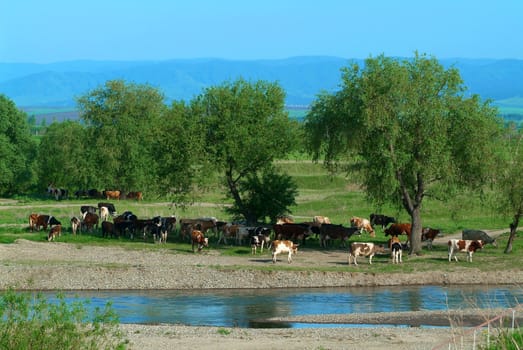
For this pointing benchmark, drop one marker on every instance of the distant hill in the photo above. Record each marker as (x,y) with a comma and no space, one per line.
(58,84)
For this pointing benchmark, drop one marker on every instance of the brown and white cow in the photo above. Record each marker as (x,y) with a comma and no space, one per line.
(76,225)
(363,225)
(54,232)
(199,240)
(318,219)
(463,245)
(364,249)
(44,221)
(284,247)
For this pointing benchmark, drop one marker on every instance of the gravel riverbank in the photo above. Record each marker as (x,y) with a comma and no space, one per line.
(27,265)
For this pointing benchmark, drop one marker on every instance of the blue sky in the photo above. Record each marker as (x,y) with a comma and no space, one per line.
(44,31)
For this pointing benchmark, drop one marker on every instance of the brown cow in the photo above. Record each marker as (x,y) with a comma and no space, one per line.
(199,239)
(429,234)
(90,220)
(32,221)
(331,231)
(398,229)
(54,232)
(135,195)
(44,221)
(111,194)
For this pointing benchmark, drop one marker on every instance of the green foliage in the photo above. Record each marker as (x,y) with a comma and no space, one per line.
(35,323)
(17,150)
(407,131)
(506,340)
(246,129)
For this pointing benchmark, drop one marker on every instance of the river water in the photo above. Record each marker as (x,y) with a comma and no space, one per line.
(242,308)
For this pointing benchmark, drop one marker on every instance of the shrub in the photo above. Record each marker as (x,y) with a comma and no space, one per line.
(32,322)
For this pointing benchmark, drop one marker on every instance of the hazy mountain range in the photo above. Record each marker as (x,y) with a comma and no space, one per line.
(57,84)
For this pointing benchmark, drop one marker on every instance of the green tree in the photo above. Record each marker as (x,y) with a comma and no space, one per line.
(178,150)
(408,130)
(509,190)
(245,129)
(17,150)
(123,120)
(62,157)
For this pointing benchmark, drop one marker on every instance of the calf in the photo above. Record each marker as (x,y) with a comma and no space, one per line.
(284,247)
(382,220)
(199,239)
(463,245)
(364,249)
(363,225)
(54,232)
(396,249)
(258,241)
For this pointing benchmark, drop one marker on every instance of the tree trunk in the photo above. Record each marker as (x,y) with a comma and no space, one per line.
(415,234)
(513,230)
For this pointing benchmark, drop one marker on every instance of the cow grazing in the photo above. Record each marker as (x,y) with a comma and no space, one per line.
(382,220)
(44,221)
(54,232)
(284,246)
(396,249)
(199,240)
(76,225)
(90,221)
(477,235)
(331,231)
(462,245)
(429,234)
(364,249)
(363,225)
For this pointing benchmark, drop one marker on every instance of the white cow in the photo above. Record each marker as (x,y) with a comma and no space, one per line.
(283,247)
(364,249)
(463,245)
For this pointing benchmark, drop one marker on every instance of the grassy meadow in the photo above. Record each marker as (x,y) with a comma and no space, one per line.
(319,194)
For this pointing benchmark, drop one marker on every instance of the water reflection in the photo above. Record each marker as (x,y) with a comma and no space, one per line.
(241,308)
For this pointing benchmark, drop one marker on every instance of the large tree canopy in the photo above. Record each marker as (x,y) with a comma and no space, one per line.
(122,121)
(17,149)
(245,128)
(408,130)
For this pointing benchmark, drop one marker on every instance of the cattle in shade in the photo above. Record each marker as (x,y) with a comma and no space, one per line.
(382,220)
(429,234)
(477,235)
(113,194)
(57,193)
(292,232)
(135,195)
(363,225)
(54,233)
(198,239)
(333,232)
(461,245)
(399,229)
(108,229)
(284,246)
(363,249)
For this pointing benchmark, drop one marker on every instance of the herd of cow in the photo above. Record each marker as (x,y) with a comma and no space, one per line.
(287,237)
(61,193)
